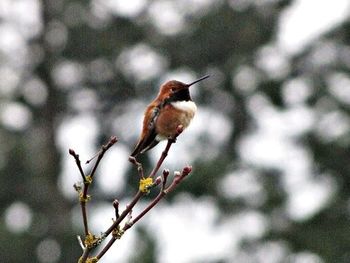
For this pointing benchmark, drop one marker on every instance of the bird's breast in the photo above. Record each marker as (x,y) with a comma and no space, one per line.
(175,114)
(186,111)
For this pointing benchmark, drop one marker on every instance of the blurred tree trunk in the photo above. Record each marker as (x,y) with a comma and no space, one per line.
(48,198)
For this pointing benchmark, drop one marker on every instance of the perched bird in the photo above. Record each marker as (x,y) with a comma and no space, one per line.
(172,107)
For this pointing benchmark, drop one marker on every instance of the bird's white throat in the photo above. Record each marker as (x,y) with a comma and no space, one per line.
(187,106)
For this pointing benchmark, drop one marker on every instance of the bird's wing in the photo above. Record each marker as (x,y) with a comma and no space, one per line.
(148,141)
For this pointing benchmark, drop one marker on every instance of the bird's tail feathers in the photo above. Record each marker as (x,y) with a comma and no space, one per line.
(142,148)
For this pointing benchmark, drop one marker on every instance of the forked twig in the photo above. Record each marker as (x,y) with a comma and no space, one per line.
(146,183)
(83,194)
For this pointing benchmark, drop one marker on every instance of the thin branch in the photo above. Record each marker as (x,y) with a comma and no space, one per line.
(83,193)
(129,207)
(138,165)
(177,179)
(153,203)
(119,232)
(116,223)
(139,194)
(107,247)
(85,255)
(116,208)
(84,198)
(101,152)
(179,130)
(84,214)
(77,161)
(81,243)
(92,241)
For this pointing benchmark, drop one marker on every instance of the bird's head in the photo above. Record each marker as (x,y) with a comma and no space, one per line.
(174,88)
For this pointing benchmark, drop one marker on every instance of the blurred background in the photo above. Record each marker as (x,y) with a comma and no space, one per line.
(269,146)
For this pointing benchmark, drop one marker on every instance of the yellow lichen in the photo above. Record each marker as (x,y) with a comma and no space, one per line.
(117,233)
(145,184)
(88,179)
(83,199)
(90,240)
(92,260)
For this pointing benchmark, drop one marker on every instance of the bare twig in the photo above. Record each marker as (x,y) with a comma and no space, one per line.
(77,161)
(102,151)
(133,160)
(115,226)
(85,255)
(107,247)
(117,232)
(81,243)
(90,240)
(177,179)
(84,198)
(129,207)
(179,130)
(116,208)
(84,214)
(146,184)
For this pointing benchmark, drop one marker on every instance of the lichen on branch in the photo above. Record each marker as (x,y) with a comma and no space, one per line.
(125,217)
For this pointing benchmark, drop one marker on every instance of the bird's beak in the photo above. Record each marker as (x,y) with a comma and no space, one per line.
(198,80)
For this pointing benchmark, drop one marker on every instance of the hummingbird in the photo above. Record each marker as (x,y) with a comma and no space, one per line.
(171,108)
